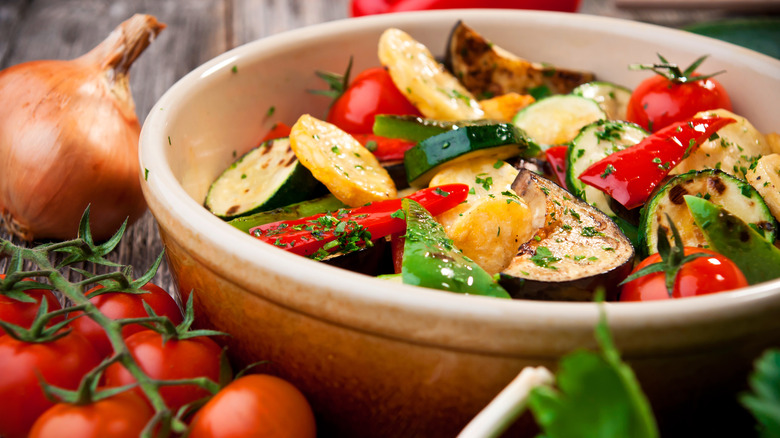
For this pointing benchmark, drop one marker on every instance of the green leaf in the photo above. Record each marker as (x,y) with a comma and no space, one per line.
(764,399)
(597,396)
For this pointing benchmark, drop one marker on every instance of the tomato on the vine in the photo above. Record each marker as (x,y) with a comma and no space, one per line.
(672,95)
(119,305)
(123,415)
(372,92)
(172,359)
(23,314)
(62,363)
(699,276)
(256,405)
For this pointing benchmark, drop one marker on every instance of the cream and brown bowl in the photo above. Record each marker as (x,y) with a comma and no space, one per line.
(383,359)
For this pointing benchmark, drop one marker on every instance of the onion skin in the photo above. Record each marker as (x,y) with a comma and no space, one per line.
(69,139)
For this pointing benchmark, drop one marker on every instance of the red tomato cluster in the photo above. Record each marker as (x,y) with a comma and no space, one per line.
(269,407)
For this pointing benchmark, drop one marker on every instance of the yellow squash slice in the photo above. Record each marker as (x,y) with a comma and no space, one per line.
(349,170)
(423,80)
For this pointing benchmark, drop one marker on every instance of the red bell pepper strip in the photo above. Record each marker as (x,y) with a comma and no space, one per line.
(349,229)
(369,7)
(556,157)
(630,175)
(384,148)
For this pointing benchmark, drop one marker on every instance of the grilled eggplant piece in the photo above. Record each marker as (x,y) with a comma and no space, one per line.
(576,250)
(487,70)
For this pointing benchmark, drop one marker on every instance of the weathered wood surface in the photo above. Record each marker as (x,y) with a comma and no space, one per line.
(197,31)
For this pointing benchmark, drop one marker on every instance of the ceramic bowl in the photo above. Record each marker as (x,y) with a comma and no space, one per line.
(383,359)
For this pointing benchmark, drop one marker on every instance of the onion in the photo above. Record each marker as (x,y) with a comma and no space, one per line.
(69,139)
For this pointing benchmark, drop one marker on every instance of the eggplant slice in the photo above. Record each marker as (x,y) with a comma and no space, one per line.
(577,249)
(487,70)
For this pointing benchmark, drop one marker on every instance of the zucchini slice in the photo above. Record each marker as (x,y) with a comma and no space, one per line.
(487,70)
(592,144)
(577,250)
(718,187)
(423,80)
(612,98)
(765,177)
(266,177)
(734,149)
(349,170)
(417,129)
(556,120)
(498,141)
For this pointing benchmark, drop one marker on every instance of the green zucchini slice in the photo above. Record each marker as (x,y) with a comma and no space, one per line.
(556,120)
(499,140)
(594,143)
(718,187)
(612,98)
(266,177)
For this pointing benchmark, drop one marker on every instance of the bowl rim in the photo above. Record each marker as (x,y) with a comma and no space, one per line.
(163,185)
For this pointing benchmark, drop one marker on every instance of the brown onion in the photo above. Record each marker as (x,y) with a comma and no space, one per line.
(69,139)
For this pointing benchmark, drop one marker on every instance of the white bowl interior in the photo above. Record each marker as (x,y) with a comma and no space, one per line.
(220,110)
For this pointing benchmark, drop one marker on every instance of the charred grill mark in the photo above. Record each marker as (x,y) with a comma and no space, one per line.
(268,145)
(716,184)
(677,193)
(290,161)
(232,210)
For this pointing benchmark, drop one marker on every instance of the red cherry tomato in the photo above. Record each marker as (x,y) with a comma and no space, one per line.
(117,305)
(658,102)
(372,92)
(170,360)
(700,276)
(258,406)
(62,363)
(23,314)
(120,416)
(369,7)
(279,130)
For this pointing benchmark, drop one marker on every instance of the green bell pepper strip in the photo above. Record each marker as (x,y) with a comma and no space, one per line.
(350,229)
(431,260)
(757,258)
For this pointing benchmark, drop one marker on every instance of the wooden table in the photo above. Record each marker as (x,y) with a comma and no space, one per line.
(197,31)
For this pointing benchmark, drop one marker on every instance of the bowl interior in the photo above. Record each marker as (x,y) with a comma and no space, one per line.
(224,107)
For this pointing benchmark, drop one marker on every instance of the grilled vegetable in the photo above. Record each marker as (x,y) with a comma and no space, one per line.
(487,70)
(731,193)
(612,98)
(556,120)
(493,221)
(577,250)
(335,158)
(734,148)
(726,233)
(417,129)
(498,141)
(431,260)
(631,175)
(425,82)
(267,177)
(595,142)
(764,176)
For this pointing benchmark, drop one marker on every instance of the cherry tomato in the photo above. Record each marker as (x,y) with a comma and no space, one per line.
(62,363)
(369,7)
(120,416)
(372,92)
(255,405)
(658,102)
(23,314)
(119,305)
(279,130)
(700,276)
(170,360)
